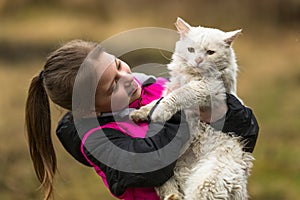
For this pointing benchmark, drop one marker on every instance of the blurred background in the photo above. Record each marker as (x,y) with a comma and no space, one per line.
(268,54)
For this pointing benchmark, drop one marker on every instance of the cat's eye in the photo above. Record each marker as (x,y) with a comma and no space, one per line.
(191,49)
(210,52)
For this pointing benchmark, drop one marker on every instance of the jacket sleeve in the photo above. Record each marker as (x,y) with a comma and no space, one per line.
(250,136)
(119,180)
(67,135)
(241,121)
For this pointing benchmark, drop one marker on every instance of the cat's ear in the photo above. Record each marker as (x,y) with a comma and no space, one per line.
(230,36)
(182,26)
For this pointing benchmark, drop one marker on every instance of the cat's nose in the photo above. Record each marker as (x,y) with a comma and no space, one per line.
(198,60)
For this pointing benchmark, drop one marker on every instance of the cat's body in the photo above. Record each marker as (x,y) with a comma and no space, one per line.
(203,68)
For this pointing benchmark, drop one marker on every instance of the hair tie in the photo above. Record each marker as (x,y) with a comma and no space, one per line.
(41,75)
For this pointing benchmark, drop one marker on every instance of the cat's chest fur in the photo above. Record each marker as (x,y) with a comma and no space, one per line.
(181,74)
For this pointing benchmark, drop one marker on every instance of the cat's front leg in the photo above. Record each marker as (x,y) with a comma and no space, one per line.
(142,113)
(164,110)
(201,93)
(173,102)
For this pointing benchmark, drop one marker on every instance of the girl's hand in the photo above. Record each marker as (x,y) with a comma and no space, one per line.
(210,116)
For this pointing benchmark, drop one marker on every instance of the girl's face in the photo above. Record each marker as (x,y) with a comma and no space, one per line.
(116,88)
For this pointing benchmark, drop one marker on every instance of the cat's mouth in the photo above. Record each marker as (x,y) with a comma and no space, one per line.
(205,69)
(200,67)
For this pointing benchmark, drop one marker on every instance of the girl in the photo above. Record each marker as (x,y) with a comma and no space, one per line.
(116,89)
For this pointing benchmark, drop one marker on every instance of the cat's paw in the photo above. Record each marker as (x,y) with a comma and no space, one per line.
(172,197)
(162,113)
(138,115)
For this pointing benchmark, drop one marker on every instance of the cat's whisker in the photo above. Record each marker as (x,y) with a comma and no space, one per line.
(213,69)
(163,73)
(164,56)
(178,55)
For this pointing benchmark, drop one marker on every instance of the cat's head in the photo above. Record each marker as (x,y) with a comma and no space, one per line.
(204,48)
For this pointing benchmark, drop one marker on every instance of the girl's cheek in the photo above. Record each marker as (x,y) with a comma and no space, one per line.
(120,100)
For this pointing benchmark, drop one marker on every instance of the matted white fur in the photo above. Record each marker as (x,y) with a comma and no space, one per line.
(203,68)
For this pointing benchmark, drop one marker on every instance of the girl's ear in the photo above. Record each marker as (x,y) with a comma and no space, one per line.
(230,36)
(182,26)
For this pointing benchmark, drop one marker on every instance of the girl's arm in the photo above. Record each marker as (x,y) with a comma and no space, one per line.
(176,129)
(239,120)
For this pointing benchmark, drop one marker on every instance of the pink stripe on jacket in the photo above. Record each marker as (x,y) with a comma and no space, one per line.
(149,93)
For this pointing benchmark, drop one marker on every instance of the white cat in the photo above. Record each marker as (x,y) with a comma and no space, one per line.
(203,68)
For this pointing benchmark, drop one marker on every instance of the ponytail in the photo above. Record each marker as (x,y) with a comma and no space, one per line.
(56,82)
(38,123)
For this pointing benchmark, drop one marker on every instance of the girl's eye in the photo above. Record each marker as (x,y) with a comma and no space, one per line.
(210,52)
(191,49)
(119,65)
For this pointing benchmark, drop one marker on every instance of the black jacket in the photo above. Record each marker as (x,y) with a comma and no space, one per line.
(117,180)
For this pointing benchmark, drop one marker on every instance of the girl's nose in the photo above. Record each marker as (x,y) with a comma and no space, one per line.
(126,78)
